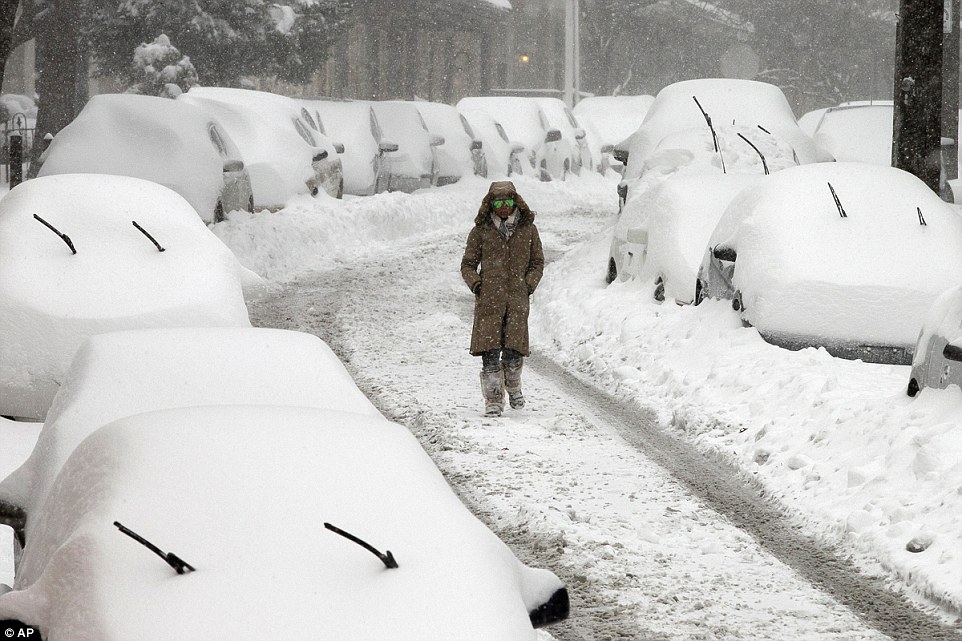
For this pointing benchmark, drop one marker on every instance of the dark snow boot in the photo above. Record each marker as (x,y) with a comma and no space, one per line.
(512,383)
(492,388)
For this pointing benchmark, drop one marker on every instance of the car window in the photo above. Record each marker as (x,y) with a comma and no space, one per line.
(217,140)
(467,127)
(306,115)
(304,131)
(543,121)
(421,119)
(375,128)
(501,132)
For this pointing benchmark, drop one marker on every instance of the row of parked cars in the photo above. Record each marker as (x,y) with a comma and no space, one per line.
(725,196)
(227,149)
(194,475)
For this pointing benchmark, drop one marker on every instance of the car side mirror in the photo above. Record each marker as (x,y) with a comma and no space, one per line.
(339,147)
(607,149)
(952,352)
(233,165)
(436,140)
(553,135)
(475,144)
(579,133)
(621,155)
(387,146)
(723,252)
(321,155)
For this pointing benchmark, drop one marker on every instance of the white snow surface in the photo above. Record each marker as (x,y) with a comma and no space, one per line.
(119,374)
(838,442)
(869,277)
(257,537)
(51,299)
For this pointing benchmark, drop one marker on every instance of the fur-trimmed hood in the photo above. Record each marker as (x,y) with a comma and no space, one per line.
(503,189)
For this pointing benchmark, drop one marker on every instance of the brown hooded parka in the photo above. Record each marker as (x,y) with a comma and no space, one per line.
(510,271)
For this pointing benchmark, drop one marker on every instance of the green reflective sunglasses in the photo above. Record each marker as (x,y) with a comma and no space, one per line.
(507,202)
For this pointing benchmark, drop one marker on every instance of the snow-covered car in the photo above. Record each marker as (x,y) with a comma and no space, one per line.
(572,133)
(165,141)
(608,120)
(284,154)
(937,361)
(845,256)
(462,153)
(415,163)
(860,133)
(661,235)
(121,373)
(731,117)
(119,253)
(548,155)
(366,168)
(502,157)
(321,524)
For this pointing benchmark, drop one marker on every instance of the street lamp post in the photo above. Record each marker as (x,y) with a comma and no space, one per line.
(572,88)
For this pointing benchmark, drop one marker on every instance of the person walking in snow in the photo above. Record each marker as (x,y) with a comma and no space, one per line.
(505,244)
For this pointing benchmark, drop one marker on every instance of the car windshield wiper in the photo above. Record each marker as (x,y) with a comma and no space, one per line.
(714,136)
(64,237)
(147,234)
(757,151)
(180,566)
(838,202)
(386,558)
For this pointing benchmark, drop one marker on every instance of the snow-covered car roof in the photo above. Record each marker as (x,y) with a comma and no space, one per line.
(158,139)
(277,145)
(679,216)
(52,299)
(868,277)
(743,104)
(454,156)
(241,496)
(123,373)
(613,117)
(861,133)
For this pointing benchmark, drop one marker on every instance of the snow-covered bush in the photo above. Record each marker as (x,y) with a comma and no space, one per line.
(159,70)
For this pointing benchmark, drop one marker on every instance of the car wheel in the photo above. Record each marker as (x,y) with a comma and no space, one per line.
(612,271)
(913,387)
(659,293)
(219,211)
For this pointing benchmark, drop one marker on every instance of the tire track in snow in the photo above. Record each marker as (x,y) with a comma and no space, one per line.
(400,325)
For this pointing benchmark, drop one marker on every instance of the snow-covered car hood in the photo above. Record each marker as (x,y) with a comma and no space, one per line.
(869,277)
(256,536)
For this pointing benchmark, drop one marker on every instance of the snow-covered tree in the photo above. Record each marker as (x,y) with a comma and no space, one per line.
(159,69)
(225,39)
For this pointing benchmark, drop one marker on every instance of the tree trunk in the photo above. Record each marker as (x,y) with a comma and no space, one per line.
(62,75)
(8,18)
(918,90)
